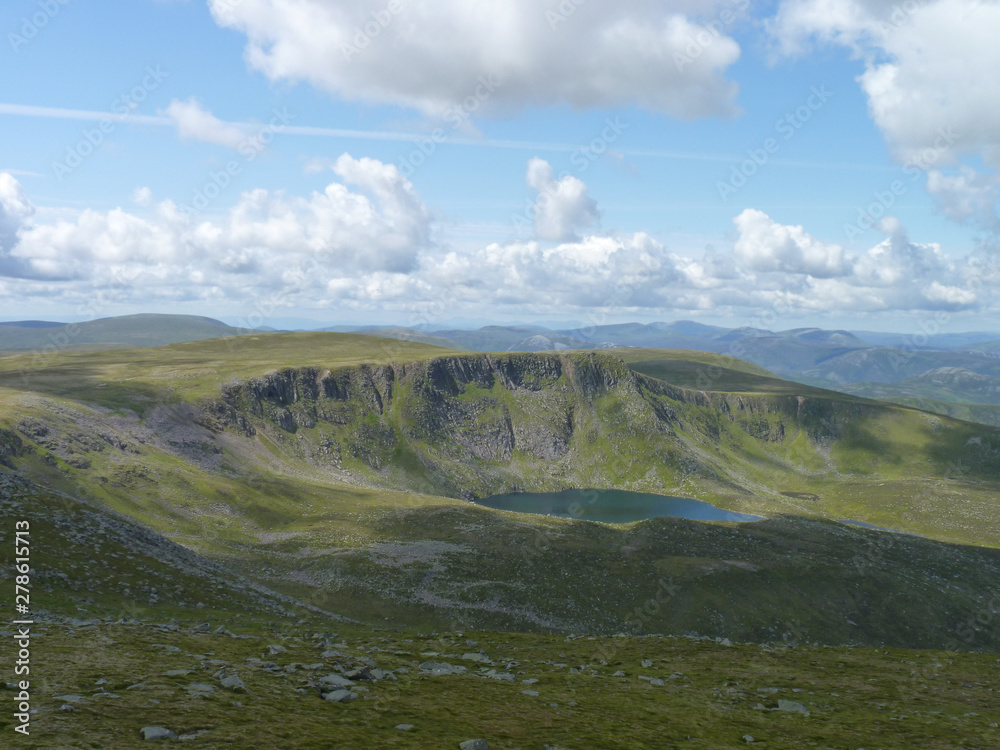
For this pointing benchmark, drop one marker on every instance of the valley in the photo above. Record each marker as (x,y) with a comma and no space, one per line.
(323,482)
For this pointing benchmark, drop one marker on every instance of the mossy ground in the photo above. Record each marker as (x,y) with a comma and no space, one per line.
(712,694)
(347,532)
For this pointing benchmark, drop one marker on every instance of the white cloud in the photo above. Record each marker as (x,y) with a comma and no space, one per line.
(194,122)
(365,243)
(15,212)
(437,54)
(563,207)
(930,69)
(765,245)
(598,271)
(142,196)
(382,227)
(966,195)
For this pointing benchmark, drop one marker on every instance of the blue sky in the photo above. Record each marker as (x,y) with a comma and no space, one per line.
(791,163)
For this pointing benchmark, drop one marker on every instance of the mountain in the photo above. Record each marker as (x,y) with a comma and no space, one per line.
(350,448)
(223,662)
(230,536)
(512,338)
(921,340)
(409,334)
(989,347)
(953,384)
(30,324)
(127,330)
(894,365)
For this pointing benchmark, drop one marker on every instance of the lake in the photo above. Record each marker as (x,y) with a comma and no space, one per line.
(610,506)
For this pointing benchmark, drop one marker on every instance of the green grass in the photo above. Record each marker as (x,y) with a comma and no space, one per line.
(127,330)
(855,698)
(133,378)
(341,517)
(707,364)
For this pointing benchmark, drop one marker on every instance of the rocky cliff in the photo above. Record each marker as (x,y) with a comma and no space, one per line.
(473,425)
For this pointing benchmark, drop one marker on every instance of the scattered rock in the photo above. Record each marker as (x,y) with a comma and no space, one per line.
(234,683)
(532,693)
(67,707)
(157,733)
(404,727)
(793,706)
(441,668)
(474,745)
(647,663)
(501,676)
(200,690)
(203,628)
(341,696)
(335,682)
(481,658)
(748,738)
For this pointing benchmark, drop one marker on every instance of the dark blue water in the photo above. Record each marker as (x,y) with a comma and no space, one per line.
(610,506)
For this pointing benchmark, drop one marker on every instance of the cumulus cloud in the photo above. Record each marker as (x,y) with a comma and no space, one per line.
(930,68)
(765,245)
(366,242)
(786,266)
(439,56)
(194,122)
(597,272)
(15,212)
(966,196)
(563,206)
(380,227)
(142,196)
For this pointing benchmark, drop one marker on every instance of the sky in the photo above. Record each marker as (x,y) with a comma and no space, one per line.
(788,163)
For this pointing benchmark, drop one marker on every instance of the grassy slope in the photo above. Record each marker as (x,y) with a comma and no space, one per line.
(362,551)
(127,330)
(275,507)
(408,334)
(988,414)
(192,371)
(127,637)
(711,362)
(751,453)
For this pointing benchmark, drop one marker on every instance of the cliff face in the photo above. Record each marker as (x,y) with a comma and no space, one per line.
(474,425)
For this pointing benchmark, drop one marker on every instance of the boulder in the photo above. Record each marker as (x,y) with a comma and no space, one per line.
(157,733)
(335,682)
(441,668)
(793,706)
(341,696)
(234,683)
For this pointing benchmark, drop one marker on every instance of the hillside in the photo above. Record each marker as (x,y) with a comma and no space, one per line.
(145,634)
(334,472)
(229,530)
(123,331)
(952,384)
